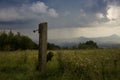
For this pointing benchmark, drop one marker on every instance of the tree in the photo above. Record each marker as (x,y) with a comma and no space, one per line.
(91,44)
(88,45)
(51,46)
(17,41)
(3,40)
(10,40)
(26,43)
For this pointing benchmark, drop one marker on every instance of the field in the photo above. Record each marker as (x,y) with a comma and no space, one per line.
(97,64)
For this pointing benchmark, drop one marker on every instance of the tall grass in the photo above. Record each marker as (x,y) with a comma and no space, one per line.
(103,64)
(99,64)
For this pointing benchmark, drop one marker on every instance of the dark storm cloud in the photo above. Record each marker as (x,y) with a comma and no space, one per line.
(7,3)
(82,12)
(18,22)
(116,2)
(15,24)
(88,5)
(94,6)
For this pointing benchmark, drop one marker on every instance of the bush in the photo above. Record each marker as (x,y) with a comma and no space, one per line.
(49,56)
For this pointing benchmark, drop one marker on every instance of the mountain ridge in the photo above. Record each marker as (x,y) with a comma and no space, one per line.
(106,41)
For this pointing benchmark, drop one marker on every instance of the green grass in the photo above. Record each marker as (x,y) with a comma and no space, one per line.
(97,64)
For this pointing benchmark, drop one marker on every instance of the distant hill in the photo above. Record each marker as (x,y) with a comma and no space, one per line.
(108,41)
(111,41)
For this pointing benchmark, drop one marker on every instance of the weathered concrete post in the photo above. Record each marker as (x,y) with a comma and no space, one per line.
(42,46)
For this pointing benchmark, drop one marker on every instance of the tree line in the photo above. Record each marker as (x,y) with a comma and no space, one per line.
(10,42)
(86,45)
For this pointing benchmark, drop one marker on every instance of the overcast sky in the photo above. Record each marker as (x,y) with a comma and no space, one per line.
(66,18)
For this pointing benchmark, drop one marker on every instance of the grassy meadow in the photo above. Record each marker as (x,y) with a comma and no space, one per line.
(96,64)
